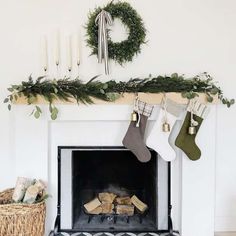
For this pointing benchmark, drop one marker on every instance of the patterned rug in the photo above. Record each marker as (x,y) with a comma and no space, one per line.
(107,234)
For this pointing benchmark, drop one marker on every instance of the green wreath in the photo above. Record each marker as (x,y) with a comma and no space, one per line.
(123,51)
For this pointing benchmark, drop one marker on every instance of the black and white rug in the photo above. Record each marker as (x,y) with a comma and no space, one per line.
(107,234)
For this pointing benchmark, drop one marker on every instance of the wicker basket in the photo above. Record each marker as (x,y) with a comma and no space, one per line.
(20,219)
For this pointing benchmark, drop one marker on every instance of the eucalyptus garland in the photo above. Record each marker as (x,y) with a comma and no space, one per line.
(123,51)
(67,89)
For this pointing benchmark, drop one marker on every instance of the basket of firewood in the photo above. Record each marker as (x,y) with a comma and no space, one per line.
(23,209)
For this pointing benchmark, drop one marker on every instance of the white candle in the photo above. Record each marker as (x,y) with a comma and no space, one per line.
(57,48)
(78,50)
(69,53)
(45,53)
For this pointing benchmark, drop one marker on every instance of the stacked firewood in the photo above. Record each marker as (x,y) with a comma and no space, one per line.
(28,190)
(110,203)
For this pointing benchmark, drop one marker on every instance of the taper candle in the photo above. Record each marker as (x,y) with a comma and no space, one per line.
(78,50)
(57,48)
(45,53)
(69,53)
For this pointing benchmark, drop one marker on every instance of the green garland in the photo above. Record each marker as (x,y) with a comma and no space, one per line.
(123,51)
(66,89)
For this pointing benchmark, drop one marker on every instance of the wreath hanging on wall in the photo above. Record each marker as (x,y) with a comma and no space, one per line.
(123,51)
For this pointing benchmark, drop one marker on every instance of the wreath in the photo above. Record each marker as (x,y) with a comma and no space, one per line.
(123,51)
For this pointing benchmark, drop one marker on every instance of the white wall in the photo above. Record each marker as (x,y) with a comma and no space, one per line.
(184,36)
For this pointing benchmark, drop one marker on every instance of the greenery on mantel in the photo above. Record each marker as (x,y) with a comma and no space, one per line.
(66,89)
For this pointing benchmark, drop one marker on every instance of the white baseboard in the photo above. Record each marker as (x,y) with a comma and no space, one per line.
(225,234)
(225,224)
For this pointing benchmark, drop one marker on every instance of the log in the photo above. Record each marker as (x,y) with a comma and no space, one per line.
(104,208)
(34,192)
(107,208)
(123,201)
(21,186)
(41,185)
(141,206)
(96,211)
(92,205)
(107,197)
(31,194)
(125,210)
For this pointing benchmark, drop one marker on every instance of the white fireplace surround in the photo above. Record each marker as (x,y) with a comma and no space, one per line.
(35,152)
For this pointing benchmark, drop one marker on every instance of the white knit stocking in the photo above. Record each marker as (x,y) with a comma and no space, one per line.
(158,140)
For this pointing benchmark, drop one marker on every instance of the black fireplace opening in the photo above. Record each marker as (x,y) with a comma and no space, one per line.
(118,171)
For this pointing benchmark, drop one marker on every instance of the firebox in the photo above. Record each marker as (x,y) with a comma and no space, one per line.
(117,172)
(88,175)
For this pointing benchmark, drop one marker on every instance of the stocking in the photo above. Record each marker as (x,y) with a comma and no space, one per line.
(158,139)
(179,111)
(185,141)
(133,139)
(173,135)
(143,123)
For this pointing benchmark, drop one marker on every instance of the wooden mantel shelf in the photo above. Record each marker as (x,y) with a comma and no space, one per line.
(127,99)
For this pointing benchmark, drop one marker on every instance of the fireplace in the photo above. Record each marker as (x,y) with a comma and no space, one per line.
(114,171)
(84,172)
(74,129)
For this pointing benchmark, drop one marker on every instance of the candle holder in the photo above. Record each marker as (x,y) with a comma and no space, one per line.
(45,69)
(57,66)
(69,70)
(78,65)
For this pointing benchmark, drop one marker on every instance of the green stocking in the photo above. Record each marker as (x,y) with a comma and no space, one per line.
(185,141)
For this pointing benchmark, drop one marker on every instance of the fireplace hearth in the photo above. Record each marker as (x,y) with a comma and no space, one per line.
(84,172)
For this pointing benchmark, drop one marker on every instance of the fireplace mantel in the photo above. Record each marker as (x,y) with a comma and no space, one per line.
(105,125)
(126,99)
